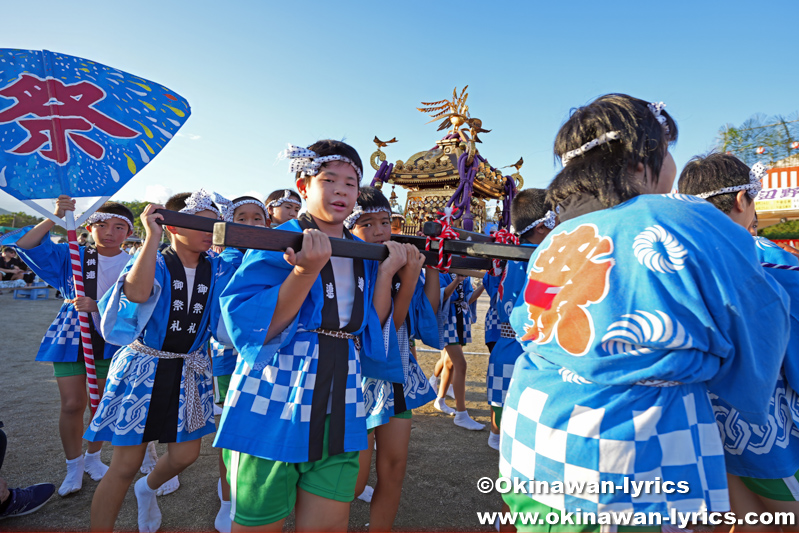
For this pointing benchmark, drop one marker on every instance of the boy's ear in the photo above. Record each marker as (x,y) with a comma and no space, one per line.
(740,200)
(302,187)
(171,229)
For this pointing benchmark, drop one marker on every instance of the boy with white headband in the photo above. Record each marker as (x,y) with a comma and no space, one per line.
(628,318)
(762,461)
(162,310)
(61,345)
(532,221)
(306,326)
(283,205)
(389,406)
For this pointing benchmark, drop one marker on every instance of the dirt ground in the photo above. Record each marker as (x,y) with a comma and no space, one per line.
(444,461)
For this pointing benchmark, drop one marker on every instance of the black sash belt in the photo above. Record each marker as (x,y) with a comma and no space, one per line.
(333,362)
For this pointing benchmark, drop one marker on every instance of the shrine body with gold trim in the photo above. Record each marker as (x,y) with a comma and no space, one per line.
(451,174)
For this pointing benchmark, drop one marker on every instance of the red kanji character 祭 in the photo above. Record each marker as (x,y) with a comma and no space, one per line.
(63,111)
(567,277)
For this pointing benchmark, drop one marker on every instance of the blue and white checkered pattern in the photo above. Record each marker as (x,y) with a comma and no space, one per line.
(450,329)
(492,332)
(277,392)
(223,358)
(595,445)
(497,383)
(65,329)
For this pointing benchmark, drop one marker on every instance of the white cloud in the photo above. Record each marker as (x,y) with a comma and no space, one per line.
(157,194)
(189,136)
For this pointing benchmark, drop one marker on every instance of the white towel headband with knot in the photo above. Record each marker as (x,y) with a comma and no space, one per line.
(309,162)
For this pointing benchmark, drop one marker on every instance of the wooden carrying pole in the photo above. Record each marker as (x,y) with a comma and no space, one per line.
(259,238)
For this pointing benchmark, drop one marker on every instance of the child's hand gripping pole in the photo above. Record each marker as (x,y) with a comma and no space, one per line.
(85,331)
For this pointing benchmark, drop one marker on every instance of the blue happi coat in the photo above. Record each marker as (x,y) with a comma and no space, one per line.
(451,312)
(769,451)
(378,394)
(268,406)
(51,262)
(122,413)
(491,284)
(503,357)
(223,353)
(629,316)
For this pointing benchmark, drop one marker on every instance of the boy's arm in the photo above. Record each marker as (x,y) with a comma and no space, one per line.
(385,275)
(432,288)
(451,287)
(32,238)
(139,281)
(308,263)
(476,294)
(409,277)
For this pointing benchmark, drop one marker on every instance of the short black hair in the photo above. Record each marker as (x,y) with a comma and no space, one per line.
(8,249)
(330,147)
(115,208)
(177,202)
(712,172)
(373,198)
(528,206)
(280,193)
(241,198)
(605,171)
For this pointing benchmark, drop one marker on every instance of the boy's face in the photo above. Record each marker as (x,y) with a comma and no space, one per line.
(331,194)
(8,255)
(284,212)
(373,227)
(249,214)
(110,233)
(193,240)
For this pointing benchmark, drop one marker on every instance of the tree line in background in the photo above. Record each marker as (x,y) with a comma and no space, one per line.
(21,219)
(762,138)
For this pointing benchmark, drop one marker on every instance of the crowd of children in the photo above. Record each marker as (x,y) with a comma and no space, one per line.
(644,340)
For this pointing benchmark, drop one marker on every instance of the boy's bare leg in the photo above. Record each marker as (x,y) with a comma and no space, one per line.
(111,491)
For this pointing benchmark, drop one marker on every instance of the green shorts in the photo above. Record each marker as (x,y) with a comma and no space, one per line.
(456,344)
(521,503)
(782,489)
(263,491)
(405,415)
(497,415)
(221,385)
(63,370)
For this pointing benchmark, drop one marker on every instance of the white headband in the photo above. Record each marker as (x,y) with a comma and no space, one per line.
(286,198)
(102,217)
(549,221)
(756,173)
(654,107)
(309,162)
(200,200)
(229,208)
(602,139)
(357,211)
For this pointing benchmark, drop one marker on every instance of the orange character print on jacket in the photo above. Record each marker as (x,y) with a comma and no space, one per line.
(567,277)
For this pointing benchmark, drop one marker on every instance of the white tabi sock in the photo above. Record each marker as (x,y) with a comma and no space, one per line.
(150,458)
(149,513)
(493,440)
(169,487)
(74,480)
(441,405)
(462,419)
(94,466)
(219,489)
(223,521)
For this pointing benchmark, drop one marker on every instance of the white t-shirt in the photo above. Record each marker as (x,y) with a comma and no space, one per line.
(345,288)
(108,271)
(190,273)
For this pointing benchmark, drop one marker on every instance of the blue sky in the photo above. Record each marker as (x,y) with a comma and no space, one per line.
(262,74)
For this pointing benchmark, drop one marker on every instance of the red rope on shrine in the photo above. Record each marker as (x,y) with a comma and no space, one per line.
(502,236)
(447,233)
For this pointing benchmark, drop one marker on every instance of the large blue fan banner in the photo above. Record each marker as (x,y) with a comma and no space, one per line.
(73,126)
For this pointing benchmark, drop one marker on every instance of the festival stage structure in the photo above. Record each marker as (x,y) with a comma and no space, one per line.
(451,174)
(779,199)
